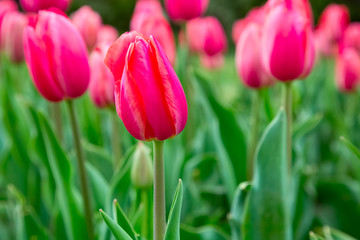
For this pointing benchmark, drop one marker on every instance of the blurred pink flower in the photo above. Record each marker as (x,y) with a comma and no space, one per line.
(36,5)
(184,10)
(107,34)
(5,7)
(352,36)
(212,62)
(248,60)
(102,82)
(347,71)
(56,56)
(88,22)
(12,30)
(144,9)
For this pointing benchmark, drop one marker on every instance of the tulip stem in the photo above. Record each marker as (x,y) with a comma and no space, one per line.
(56,114)
(81,169)
(159,217)
(254,133)
(145,221)
(116,143)
(288,109)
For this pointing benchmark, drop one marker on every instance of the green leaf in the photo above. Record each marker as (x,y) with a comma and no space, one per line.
(118,232)
(351,146)
(237,209)
(267,214)
(203,233)
(173,226)
(300,130)
(122,220)
(98,184)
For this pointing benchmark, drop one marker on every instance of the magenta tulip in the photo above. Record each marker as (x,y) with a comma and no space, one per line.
(101,79)
(149,97)
(288,43)
(36,5)
(12,30)
(347,72)
(88,22)
(184,10)
(144,9)
(107,34)
(249,64)
(56,56)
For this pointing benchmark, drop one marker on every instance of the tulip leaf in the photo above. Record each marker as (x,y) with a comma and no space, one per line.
(351,146)
(203,233)
(267,214)
(123,221)
(307,126)
(173,225)
(98,185)
(118,232)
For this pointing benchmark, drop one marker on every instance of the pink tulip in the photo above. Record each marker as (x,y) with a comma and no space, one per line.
(5,7)
(12,30)
(332,24)
(184,10)
(206,35)
(56,56)
(249,64)
(145,9)
(288,43)
(149,97)
(88,22)
(36,5)
(302,6)
(101,79)
(352,36)
(347,71)
(107,34)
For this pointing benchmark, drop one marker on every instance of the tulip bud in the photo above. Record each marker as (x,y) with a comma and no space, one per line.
(56,56)
(184,10)
(288,43)
(88,22)
(149,97)
(101,80)
(12,30)
(248,58)
(107,34)
(332,24)
(347,71)
(36,5)
(142,169)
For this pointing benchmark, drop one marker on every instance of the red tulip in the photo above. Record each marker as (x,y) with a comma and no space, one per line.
(88,22)
(332,24)
(107,34)
(248,58)
(145,9)
(36,5)
(149,97)
(184,10)
(101,79)
(56,56)
(347,69)
(352,36)
(206,35)
(5,7)
(12,30)
(288,43)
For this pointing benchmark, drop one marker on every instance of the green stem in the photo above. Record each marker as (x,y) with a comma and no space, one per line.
(288,109)
(145,220)
(56,114)
(159,192)
(116,142)
(254,133)
(81,169)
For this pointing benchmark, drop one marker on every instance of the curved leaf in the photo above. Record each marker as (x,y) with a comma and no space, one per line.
(118,232)
(122,220)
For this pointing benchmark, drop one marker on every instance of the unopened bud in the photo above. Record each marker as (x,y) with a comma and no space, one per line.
(142,169)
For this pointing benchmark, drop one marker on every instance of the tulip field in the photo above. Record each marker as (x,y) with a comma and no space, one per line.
(177,128)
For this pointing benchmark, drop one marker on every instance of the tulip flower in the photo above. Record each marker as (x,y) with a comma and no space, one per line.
(248,58)
(184,10)
(101,79)
(56,56)
(352,36)
(288,44)
(5,7)
(302,6)
(347,71)
(36,5)
(12,29)
(332,25)
(143,10)
(88,22)
(107,34)
(148,97)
